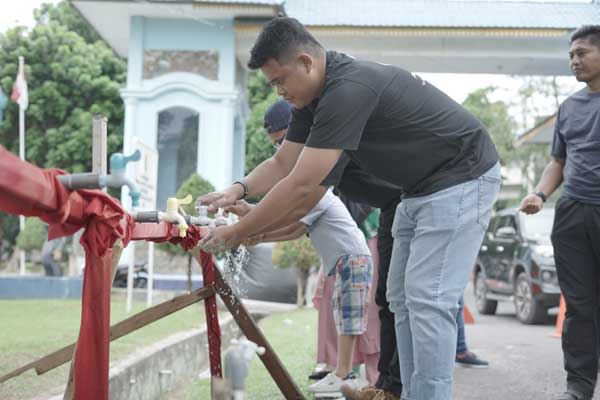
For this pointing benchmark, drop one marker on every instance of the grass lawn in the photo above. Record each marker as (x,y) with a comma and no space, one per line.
(30,329)
(293,335)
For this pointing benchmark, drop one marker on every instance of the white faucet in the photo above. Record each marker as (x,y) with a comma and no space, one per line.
(172,214)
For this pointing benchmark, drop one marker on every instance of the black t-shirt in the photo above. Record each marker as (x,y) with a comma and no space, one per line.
(577,141)
(355,184)
(395,126)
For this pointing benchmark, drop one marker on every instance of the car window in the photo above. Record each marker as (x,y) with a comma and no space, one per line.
(538,226)
(493,224)
(505,220)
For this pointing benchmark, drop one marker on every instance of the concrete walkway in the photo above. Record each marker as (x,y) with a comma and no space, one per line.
(525,362)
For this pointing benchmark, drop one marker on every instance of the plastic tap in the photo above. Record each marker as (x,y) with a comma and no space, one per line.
(172,213)
(237,362)
(117,177)
(220,219)
(202,218)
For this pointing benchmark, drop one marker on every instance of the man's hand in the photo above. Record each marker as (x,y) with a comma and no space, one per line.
(216,200)
(220,239)
(531,204)
(240,208)
(254,239)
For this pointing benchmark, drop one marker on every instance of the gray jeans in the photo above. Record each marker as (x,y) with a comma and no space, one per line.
(436,240)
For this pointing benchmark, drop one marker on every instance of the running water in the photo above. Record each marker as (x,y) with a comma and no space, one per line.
(236,261)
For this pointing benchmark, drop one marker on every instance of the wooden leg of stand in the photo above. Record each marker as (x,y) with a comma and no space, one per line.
(278,372)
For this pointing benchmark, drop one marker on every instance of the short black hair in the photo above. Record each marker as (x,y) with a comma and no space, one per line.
(589,32)
(278,38)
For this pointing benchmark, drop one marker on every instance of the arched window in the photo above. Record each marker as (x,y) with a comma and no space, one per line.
(177,144)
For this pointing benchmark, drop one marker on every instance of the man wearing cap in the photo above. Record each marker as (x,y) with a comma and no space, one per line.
(344,252)
(277,120)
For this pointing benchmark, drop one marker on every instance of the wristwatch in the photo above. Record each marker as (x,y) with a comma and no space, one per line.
(541,195)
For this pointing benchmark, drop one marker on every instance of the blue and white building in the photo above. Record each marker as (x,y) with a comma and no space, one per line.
(185,92)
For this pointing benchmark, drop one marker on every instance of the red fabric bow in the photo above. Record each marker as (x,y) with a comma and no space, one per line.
(30,191)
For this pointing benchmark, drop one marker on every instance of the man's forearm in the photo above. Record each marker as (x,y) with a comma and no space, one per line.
(264,177)
(289,232)
(298,213)
(551,178)
(272,211)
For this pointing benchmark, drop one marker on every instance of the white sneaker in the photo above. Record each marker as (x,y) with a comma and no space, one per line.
(332,384)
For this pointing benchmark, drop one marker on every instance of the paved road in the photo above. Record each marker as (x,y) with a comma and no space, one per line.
(525,362)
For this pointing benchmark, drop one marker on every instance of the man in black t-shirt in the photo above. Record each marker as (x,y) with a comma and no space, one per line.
(401,129)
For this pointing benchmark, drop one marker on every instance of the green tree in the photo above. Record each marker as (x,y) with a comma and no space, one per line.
(301,255)
(196,186)
(539,98)
(65,14)
(72,75)
(258,146)
(33,236)
(70,80)
(496,118)
(258,88)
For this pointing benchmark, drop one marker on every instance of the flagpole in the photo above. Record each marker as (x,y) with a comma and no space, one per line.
(22,156)
(21,96)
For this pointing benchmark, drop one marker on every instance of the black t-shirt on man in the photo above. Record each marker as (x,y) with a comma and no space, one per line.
(394,125)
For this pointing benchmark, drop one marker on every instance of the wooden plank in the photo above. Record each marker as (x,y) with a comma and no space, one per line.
(152,314)
(253,333)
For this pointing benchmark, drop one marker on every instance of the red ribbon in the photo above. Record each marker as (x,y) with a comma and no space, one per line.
(212,320)
(28,190)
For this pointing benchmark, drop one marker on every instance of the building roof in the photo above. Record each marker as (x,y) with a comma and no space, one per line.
(257,2)
(444,13)
(427,13)
(454,36)
(543,132)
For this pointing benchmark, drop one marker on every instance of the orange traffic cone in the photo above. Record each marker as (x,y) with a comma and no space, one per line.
(560,318)
(468,317)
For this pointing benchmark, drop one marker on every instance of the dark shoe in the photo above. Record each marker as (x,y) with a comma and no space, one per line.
(350,392)
(318,375)
(571,395)
(470,360)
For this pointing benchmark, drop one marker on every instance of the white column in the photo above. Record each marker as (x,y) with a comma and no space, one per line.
(128,255)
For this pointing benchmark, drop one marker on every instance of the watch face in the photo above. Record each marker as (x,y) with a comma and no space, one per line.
(541,196)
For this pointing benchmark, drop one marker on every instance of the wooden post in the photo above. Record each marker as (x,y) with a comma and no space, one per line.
(99,144)
(278,372)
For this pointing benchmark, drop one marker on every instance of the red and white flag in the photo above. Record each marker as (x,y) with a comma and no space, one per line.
(19,91)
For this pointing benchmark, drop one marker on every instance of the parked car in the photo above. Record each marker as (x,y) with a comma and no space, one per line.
(140,276)
(516,262)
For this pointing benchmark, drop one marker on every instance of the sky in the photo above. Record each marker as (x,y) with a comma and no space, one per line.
(457,86)
(19,12)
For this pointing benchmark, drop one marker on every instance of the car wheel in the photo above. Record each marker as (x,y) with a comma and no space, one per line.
(484,306)
(529,310)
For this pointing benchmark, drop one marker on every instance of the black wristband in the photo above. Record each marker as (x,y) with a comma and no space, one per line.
(245,189)
(541,195)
